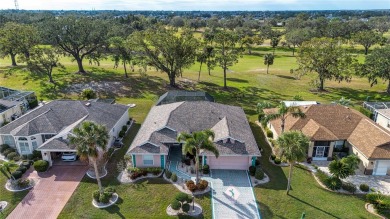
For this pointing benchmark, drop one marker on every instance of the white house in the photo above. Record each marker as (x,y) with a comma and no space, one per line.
(383,118)
(46,128)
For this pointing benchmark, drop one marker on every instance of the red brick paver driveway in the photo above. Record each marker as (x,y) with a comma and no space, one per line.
(50,194)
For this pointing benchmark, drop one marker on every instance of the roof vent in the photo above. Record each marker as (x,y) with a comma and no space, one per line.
(88,104)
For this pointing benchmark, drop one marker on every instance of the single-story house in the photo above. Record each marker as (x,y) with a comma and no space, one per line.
(14,103)
(299,103)
(334,128)
(233,136)
(46,128)
(173,96)
(382,117)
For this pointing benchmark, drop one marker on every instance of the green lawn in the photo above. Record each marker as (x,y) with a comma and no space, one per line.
(147,199)
(13,198)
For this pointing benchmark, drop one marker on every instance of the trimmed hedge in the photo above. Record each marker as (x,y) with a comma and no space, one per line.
(350,187)
(168,174)
(41,165)
(183,197)
(252,170)
(11,155)
(334,183)
(22,169)
(364,187)
(277,160)
(259,174)
(174,177)
(105,197)
(206,169)
(185,207)
(175,205)
(8,151)
(270,134)
(4,147)
(17,174)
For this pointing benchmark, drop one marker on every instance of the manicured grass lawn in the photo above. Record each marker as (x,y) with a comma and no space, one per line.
(13,198)
(306,195)
(146,199)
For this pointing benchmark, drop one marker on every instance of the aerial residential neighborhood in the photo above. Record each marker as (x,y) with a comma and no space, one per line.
(194,109)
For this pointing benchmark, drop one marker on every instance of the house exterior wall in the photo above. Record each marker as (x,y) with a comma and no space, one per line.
(275,135)
(6,115)
(365,165)
(383,121)
(30,139)
(229,162)
(156,161)
(118,127)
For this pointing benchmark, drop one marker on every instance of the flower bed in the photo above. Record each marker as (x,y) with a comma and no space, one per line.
(180,185)
(106,199)
(135,172)
(19,185)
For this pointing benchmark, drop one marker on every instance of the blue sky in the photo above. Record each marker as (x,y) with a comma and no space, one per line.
(225,5)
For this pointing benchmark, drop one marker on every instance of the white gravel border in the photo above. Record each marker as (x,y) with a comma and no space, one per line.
(113,200)
(265,180)
(7,186)
(123,178)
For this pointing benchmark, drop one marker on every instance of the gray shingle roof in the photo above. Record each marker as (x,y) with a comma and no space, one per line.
(57,144)
(226,121)
(57,115)
(183,95)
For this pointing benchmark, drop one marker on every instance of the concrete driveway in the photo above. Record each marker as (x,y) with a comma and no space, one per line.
(224,207)
(51,192)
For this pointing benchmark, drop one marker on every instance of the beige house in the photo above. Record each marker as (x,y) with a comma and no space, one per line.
(334,129)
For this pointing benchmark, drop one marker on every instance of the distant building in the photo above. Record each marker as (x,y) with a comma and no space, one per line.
(381,112)
(183,95)
(299,103)
(14,103)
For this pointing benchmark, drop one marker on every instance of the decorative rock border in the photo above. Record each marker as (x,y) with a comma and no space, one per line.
(198,211)
(103,175)
(265,180)
(370,208)
(182,188)
(123,178)
(8,186)
(3,205)
(113,200)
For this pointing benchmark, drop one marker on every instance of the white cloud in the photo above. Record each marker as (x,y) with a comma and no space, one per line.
(196,4)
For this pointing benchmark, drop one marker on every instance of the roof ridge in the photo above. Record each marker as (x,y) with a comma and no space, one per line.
(28,122)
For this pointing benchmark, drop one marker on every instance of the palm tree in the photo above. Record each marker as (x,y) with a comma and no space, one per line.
(91,141)
(268,60)
(5,167)
(294,146)
(342,168)
(283,112)
(196,141)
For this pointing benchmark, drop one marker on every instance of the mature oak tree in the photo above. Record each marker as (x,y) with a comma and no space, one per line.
(296,37)
(121,54)
(167,50)
(366,38)
(80,37)
(327,58)
(377,65)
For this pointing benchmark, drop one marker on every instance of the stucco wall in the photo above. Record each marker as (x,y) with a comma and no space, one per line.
(139,161)
(382,121)
(275,135)
(118,127)
(6,115)
(365,165)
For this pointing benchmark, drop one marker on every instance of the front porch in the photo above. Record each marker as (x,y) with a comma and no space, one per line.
(327,150)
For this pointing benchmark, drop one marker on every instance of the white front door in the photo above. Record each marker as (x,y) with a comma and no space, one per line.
(320,152)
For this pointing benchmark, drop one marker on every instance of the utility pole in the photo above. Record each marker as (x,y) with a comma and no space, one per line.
(16,5)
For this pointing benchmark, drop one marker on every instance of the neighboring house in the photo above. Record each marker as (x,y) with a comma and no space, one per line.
(233,135)
(46,128)
(380,111)
(334,128)
(182,95)
(14,103)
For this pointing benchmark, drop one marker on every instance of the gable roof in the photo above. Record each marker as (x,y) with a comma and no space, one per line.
(336,122)
(183,95)
(165,122)
(59,114)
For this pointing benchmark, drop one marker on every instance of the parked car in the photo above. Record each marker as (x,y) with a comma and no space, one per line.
(69,156)
(118,143)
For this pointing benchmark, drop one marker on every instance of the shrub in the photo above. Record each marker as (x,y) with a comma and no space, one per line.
(175,205)
(174,177)
(273,156)
(36,154)
(350,187)
(206,169)
(259,174)
(23,183)
(26,164)
(366,112)
(185,207)
(124,128)
(16,158)
(22,169)
(30,156)
(8,151)
(252,170)
(33,103)
(333,183)
(3,147)
(183,197)
(277,160)
(257,162)
(105,197)
(203,184)
(364,187)
(110,190)
(17,174)
(380,201)
(168,174)
(270,134)
(11,155)
(88,93)
(121,134)
(41,165)
(96,195)
(191,185)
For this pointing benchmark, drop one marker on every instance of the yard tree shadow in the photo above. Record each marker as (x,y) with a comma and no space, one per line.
(315,207)
(237,80)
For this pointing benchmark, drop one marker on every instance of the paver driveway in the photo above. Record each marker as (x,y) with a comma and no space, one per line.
(226,208)
(50,194)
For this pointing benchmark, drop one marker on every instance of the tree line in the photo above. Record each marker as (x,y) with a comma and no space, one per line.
(170,46)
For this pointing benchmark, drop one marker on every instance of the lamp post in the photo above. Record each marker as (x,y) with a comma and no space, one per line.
(193,203)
